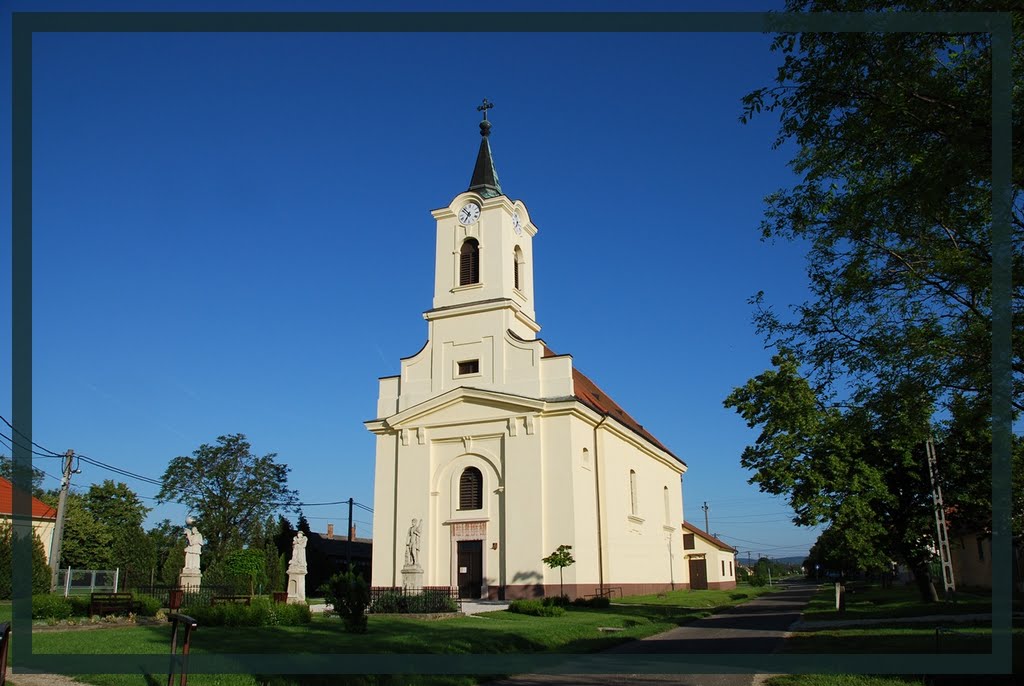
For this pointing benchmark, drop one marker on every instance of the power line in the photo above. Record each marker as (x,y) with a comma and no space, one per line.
(22,445)
(47,450)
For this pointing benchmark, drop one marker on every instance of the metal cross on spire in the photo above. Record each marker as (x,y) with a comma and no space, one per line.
(484,107)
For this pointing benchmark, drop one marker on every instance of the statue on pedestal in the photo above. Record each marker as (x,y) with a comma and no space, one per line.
(412,545)
(297,570)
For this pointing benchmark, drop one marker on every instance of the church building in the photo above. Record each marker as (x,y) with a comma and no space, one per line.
(492,450)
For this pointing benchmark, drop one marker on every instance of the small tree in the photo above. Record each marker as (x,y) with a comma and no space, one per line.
(348,593)
(245,564)
(40,568)
(561,559)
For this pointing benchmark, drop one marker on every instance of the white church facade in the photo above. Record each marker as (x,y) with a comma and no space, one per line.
(492,450)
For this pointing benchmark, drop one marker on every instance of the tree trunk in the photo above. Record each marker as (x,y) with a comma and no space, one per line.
(923,579)
(561,584)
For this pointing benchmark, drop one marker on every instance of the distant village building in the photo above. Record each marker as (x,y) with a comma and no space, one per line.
(44,517)
(492,450)
(330,553)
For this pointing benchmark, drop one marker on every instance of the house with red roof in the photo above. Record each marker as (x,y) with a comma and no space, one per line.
(492,450)
(710,561)
(44,517)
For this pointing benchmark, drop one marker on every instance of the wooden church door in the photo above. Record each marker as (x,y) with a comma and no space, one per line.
(470,561)
(698,574)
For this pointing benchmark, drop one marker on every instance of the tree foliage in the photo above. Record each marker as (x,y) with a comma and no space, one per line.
(40,569)
(246,564)
(560,559)
(230,489)
(893,140)
(893,133)
(116,508)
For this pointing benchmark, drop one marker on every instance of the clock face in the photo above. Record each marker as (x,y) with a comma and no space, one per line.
(469,213)
(517,223)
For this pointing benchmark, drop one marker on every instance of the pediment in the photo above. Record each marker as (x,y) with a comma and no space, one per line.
(464,405)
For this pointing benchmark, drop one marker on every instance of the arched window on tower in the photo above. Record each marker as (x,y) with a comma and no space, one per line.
(471,485)
(517,262)
(632,492)
(469,263)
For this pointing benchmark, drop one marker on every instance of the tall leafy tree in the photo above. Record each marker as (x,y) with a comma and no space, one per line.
(7,470)
(893,134)
(118,509)
(230,490)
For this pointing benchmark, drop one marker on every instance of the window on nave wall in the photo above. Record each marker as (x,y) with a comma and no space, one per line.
(469,263)
(632,492)
(471,489)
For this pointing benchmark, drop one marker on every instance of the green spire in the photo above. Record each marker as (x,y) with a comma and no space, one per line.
(485,178)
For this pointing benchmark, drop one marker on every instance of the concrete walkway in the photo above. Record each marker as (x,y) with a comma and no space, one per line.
(759,626)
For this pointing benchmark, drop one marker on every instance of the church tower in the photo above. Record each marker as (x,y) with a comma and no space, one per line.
(491,450)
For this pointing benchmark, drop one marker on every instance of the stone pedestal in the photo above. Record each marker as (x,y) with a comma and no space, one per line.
(297,583)
(190,579)
(412,576)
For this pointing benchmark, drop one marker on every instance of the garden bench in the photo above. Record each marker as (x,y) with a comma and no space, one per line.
(239,599)
(610,629)
(113,604)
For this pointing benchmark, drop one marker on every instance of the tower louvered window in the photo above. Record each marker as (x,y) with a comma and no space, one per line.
(471,489)
(469,263)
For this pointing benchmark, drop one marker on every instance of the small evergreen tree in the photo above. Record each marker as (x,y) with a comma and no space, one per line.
(350,596)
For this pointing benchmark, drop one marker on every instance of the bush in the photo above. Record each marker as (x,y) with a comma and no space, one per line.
(390,602)
(597,602)
(260,612)
(40,568)
(432,601)
(556,601)
(349,594)
(50,606)
(148,605)
(535,608)
(757,580)
(79,605)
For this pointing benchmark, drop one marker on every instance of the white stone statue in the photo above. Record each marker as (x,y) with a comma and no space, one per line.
(412,545)
(298,551)
(194,548)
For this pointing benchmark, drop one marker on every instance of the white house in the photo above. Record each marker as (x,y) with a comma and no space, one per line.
(710,562)
(492,450)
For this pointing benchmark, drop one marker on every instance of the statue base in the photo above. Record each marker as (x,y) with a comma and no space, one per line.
(412,576)
(297,584)
(190,579)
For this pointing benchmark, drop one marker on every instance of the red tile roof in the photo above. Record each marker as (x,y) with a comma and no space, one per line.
(588,393)
(708,537)
(40,510)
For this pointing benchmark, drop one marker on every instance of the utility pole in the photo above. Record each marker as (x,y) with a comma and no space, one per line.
(706,508)
(58,529)
(348,548)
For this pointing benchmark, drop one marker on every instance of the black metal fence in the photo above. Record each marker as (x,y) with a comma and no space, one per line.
(189,598)
(428,599)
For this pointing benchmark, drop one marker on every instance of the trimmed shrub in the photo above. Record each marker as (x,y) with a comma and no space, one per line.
(50,606)
(389,603)
(260,612)
(79,605)
(597,602)
(430,601)
(148,605)
(556,601)
(535,608)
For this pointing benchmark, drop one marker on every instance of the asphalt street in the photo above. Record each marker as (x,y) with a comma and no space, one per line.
(757,627)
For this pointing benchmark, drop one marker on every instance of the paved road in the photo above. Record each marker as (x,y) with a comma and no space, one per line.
(755,627)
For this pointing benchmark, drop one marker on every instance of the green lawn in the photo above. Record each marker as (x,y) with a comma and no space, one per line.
(492,632)
(699,599)
(898,601)
(842,680)
(5,610)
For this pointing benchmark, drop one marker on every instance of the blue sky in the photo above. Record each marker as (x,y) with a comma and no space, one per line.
(232,234)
